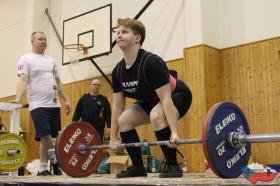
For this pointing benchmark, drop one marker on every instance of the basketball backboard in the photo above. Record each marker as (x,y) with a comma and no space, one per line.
(92,29)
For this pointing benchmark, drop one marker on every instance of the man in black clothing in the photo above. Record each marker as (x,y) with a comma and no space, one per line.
(95,109)
(160,99)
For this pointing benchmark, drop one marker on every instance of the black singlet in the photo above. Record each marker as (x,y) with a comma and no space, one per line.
(140,81)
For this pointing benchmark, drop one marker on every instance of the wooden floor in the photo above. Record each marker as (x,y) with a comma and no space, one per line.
(107,179)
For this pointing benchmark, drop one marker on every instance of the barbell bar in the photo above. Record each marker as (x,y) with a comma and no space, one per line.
(226,143)
(139,144)
(236,140)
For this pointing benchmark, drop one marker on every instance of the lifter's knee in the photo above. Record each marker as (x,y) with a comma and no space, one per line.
(123,122)
(158,120)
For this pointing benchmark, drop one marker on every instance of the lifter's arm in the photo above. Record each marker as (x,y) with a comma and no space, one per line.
(117,109)
(170,111)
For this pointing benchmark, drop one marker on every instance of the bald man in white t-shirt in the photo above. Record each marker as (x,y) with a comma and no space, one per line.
(38,75)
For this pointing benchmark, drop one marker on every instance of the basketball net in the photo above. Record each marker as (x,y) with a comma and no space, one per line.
(75,52)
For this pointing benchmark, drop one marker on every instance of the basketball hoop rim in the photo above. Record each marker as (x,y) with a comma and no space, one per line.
(78,47)
(74,46)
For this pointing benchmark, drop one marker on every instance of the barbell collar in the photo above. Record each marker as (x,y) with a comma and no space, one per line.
(240,139)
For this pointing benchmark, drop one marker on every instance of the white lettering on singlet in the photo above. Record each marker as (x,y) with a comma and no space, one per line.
(130,90)
(130,84)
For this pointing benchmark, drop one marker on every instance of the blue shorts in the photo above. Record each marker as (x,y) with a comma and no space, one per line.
(46,122)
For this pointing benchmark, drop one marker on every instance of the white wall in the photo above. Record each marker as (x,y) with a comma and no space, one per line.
(164,21)
(244,21)
(12,19)
(193,32)
(210,22)
(171,26)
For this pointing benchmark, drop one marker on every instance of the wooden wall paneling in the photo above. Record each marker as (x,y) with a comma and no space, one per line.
(259,86)
(213,75)
(247,100)
(255,89)
(269,74)
(235,75)
(275,66)
(195,68)
(268,94)
(270,98)
(225,77)
(245,87)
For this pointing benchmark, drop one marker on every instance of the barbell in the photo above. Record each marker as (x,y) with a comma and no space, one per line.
(226,143)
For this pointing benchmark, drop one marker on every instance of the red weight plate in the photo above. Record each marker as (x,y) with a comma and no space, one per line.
(209,115)
(73,162)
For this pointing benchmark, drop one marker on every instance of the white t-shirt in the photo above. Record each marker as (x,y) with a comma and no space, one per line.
(42,87)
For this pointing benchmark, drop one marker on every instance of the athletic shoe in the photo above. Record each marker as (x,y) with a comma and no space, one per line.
(44,173)
(133,171)
(56,169)
(171,171)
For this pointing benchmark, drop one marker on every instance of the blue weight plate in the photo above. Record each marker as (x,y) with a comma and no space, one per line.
(222,119)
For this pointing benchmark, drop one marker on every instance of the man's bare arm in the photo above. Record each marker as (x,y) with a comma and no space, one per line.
(21,87)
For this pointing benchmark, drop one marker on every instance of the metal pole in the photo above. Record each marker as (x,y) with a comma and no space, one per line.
(53,25)
(261,138)
(140,144)
(235,139)
(103,74)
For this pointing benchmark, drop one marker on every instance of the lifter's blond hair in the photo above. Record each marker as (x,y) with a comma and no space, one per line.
(136,26)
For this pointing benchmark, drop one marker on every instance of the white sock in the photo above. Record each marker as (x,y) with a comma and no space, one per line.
(43,167)
(52,157)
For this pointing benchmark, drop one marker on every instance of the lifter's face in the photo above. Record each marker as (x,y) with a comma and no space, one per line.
(39,43)
(126,38)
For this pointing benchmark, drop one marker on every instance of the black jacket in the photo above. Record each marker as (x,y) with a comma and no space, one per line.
(93,109)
